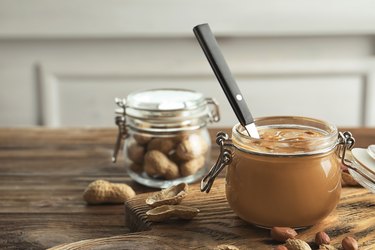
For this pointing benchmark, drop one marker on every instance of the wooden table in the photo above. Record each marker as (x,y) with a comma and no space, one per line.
(43,173)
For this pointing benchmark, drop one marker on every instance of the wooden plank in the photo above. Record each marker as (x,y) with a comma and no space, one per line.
(29,231)
(55,194)
(217,224)
(40,137)
(353,216)
(43,173)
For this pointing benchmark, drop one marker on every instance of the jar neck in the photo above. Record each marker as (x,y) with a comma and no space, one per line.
(158,126)
(312,137)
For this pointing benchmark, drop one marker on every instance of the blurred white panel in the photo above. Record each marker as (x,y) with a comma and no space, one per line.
(17,99)
(90,101)
(337,99)
(370,99)
(100,48)
(145,18)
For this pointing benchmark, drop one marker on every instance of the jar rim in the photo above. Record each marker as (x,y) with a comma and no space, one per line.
(166,105)
(316,145)
(165,99)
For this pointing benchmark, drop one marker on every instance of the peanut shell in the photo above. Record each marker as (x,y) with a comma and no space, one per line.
(101,191)
(191,147)
(157,163)
(169,196)
(226,247)
(327,247)
(192,166)
(164,145)
(166,212)
(173,157)
(296,244)
(142,139)
(136,153)
(136,167)
(172,172)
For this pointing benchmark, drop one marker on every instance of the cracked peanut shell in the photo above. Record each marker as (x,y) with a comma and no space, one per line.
(169,196)
(166,212)
(226,247)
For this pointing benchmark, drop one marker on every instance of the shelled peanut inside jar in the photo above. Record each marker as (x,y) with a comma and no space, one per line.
(166,139)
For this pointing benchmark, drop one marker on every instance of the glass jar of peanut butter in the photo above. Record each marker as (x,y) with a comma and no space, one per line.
(166,136)
(291,176)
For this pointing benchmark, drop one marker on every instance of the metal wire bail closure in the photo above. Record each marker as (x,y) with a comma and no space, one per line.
(223,160)
(214,114)
(347,142)
(120,121)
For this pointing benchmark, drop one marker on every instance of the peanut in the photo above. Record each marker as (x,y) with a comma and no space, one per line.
(280,247)
(157,163)
(348,180)
(327,247)
(142,139)
(136,153)
(184,152)
(322,238)
(166,212)
(179,138)
(296,244)
(101,191)
(349,243)
(281,234)
(191,147)
(173,157)
(136,167)
(163,145)
(172,172)
(192,166)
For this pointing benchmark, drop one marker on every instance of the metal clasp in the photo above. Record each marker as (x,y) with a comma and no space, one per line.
(214,113)
(120,121)
(225,157)
(346,142)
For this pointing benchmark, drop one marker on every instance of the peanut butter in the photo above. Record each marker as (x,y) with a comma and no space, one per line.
(285,178)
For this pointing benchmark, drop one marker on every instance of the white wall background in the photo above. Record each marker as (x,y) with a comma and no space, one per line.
(63,62)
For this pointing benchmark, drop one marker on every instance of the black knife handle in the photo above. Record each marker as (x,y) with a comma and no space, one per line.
(223,74)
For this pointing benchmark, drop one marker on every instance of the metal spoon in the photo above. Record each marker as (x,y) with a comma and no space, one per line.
(223,74)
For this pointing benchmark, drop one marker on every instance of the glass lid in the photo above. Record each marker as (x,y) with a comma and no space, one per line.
(165,100)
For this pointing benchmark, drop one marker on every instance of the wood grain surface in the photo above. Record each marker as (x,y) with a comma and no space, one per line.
(43,173)
(217,224)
